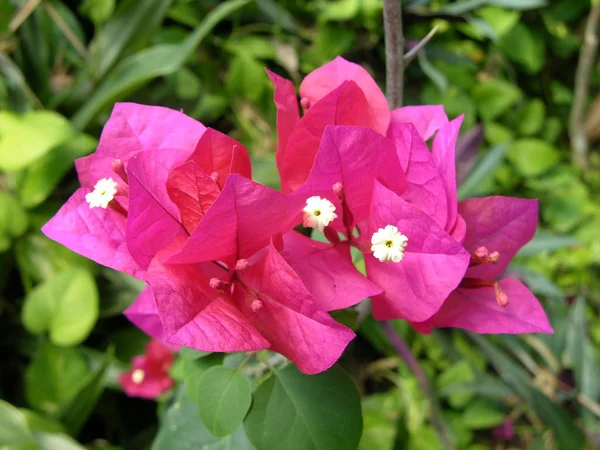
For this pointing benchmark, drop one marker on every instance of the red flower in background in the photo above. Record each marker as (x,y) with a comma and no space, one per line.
(149,376)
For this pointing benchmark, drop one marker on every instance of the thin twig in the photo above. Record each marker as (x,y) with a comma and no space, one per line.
(64,28)
(412,53)
(394,51)
(22,15)
(406,354)
(579,142)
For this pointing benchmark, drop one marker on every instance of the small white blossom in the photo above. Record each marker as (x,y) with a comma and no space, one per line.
(388,244)
(318,213)
(138,376)
(104,191)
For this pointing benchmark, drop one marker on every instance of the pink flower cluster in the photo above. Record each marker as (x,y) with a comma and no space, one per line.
(172,203)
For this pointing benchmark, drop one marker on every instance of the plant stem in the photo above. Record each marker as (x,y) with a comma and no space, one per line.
(579,141)
(394,51)
(406,354)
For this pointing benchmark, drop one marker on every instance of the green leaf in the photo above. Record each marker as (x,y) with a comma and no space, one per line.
(246,78)
(460,372)
(294,411)
(547,241)
(42,177)
(532,118)
(138,69)
(54,441)
(13,219)
(494,97)
(524,46)
(482,414)
(432,72)
(501,20)
(484,169)
(132,24)
(66,305)
(99,11)
(459,8)
(75,411)
(223,396)
(566,433)
(53,377)
(533,157)
(190,353)
(182,429)
(14,433)
(26,138)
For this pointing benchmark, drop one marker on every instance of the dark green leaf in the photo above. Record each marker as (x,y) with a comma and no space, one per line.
(294,411)
(53,377)
(150,63)
(223,396)
(75,412)
(546,241)
(182,429)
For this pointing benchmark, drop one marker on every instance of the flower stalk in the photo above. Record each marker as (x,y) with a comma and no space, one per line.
(394,52)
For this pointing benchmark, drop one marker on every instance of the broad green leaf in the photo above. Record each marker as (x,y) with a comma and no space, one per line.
(53,377)
(38,422)
(75,411)
(494,97)
(190,353)
(294,411)
(501,20)
(482,414)
(524,46)
(532,118)
(246,78)
(14,433)
(484,169)
(42,177)
(545,240)
(138,69)
(532,156)
(223,396)
(13,219)
(182,429)
(26,138)
(66,306)
(132,23)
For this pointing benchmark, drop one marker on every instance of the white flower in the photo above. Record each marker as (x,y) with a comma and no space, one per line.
(104,191)
(388,244)
(138,376)
(318,213)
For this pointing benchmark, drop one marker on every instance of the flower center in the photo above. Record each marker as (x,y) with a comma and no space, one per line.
(388,244)
(318,213)
(138,376)
(104,191)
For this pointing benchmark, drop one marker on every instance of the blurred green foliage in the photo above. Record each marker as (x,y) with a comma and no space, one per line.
(507,65)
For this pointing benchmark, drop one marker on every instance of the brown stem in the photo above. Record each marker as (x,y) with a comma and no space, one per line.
(394,51)
(579,141)
(406,354)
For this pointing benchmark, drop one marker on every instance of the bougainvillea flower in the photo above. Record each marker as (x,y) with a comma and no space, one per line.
(496,228)
(99,233)
(149,376)
(430,267)
(254,304)
(357,172)
(298,144)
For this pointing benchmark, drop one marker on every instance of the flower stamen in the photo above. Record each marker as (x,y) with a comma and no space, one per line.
(388,244)
(104,192)
(318,213)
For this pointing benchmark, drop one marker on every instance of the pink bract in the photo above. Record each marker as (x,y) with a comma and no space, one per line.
(149,376)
